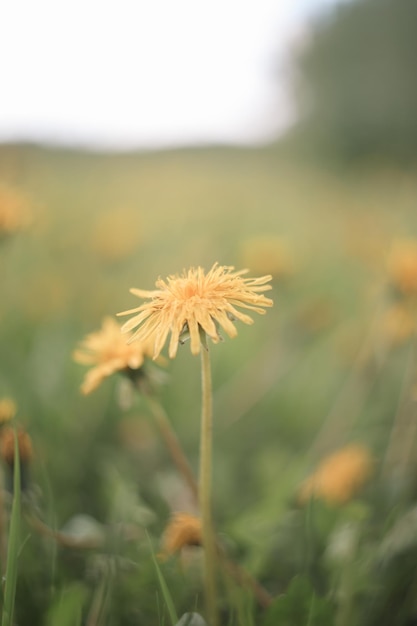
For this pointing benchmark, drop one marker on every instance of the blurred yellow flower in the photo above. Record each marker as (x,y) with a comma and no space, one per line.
(24,443)
(268,255)
(108,352)
(14,211)
(339,476)
(8,410)
(196,301)
(182,530)
(402,265)
(397,325)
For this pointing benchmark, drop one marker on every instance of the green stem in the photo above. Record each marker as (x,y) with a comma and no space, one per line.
(3,528)
(173,445)
(205,484)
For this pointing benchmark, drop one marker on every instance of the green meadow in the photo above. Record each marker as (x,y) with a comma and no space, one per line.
(330,365)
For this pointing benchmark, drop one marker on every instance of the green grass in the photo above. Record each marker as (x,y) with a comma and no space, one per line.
(308,377)
(13,545)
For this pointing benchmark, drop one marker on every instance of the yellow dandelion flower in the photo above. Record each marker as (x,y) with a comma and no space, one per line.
(196,301)
(7,453)
(8,410)
(339,476)
(14,211)
(24,443)
(402,265)
(108,352)
(397,325)
(182,530)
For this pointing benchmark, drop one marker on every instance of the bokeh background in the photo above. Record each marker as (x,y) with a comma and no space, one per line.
(139,139)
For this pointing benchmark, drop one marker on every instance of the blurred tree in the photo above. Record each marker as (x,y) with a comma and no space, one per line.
(357,91)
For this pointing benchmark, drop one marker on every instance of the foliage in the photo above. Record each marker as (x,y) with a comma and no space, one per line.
(320,371)
(358,85)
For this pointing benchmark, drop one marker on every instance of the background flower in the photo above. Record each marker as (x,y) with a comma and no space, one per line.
(402,265)
(14,211)
(8,410)
(107,351)
(339,476)
(182,530)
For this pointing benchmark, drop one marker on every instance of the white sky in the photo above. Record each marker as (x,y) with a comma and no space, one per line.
(127,73)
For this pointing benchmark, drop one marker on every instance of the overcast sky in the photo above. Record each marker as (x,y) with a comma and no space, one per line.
(147,73)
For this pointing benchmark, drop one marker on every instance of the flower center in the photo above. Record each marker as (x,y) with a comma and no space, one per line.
(190,291)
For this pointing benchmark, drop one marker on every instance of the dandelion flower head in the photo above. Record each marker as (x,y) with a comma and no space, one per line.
(14,211)
(397,325)
(339,476)
(402,266)
(7,448)
(8,410)
(196,301)
(182,530)
(107,351)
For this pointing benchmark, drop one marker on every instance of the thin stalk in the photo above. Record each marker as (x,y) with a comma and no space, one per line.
(205,484)
(3,527)
(173,445)
(169,603)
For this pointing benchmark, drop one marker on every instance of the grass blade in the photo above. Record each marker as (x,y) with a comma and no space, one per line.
(164,588)
(13,544)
